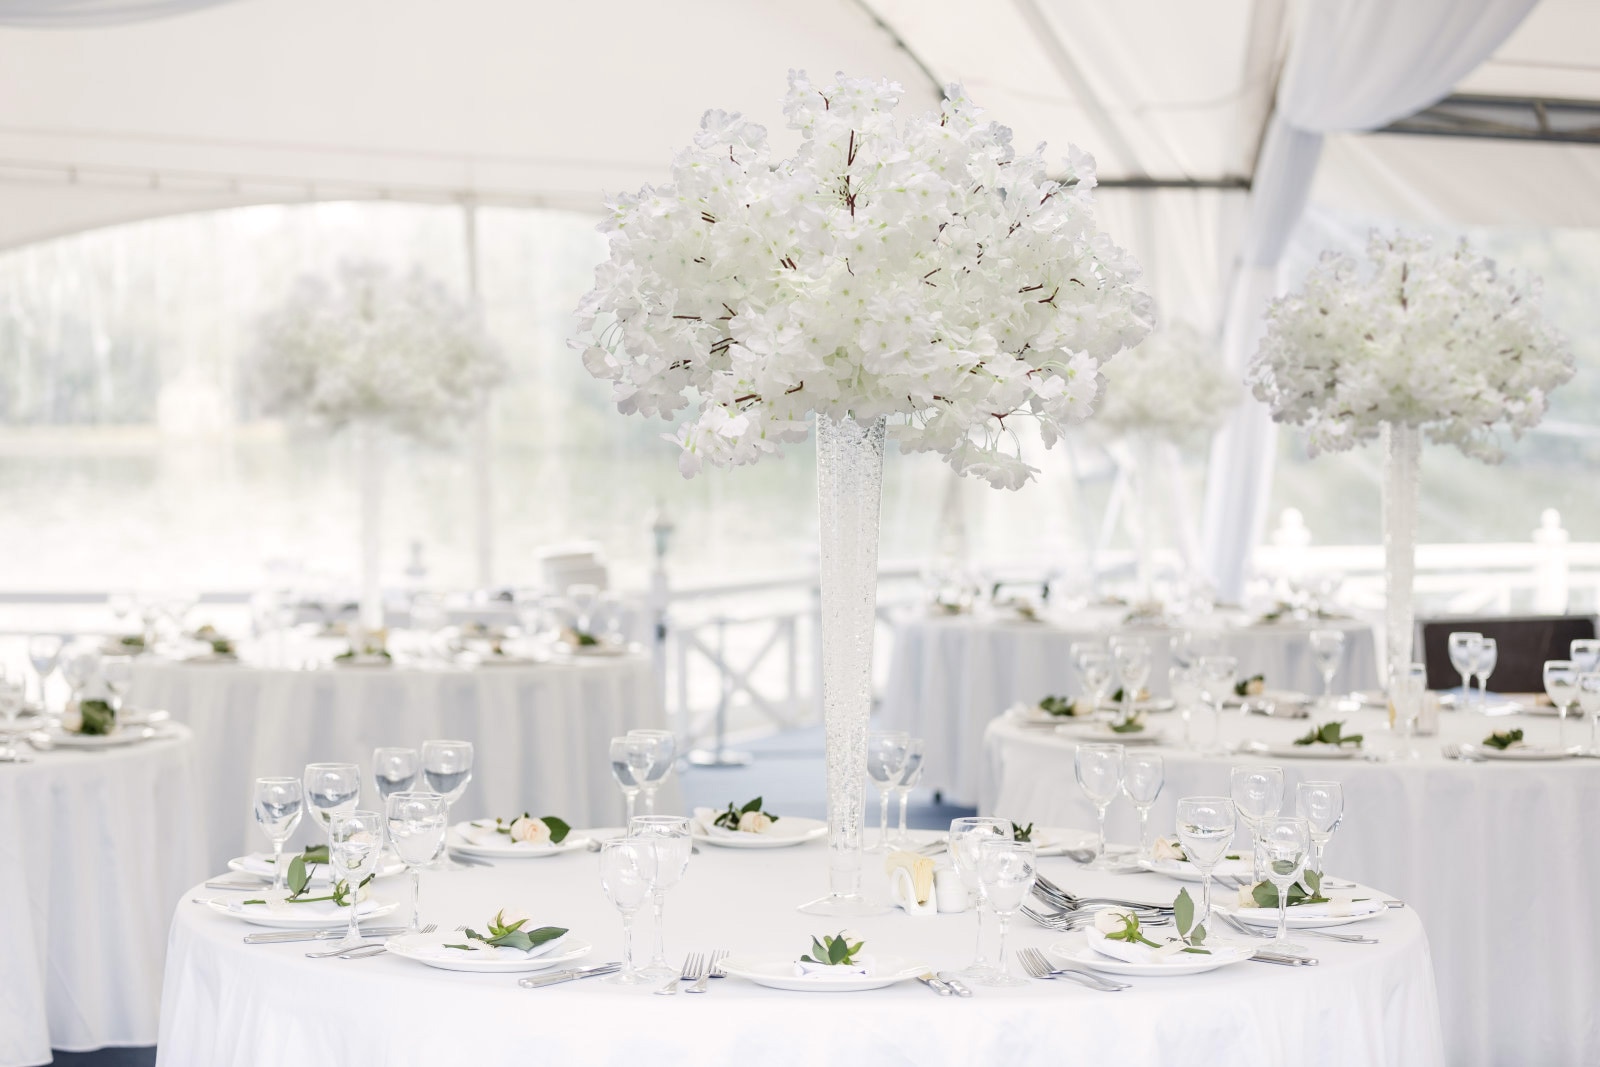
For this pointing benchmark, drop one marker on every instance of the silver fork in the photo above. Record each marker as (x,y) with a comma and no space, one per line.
(379,949)
(1033,961)
(343,949)
(692,965)
(713,970)
(1244,928)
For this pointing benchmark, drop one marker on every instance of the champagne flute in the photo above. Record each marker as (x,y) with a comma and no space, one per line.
(1142,777)
(355,841)
(1285,843)
(1488,656)
(1464,647)
(886,761)
(663,755)
(665,839)
(1327,649)
(279,804)
(1006,872)
(394,770)
(1217,675)
(630,764)
(417,824)
(1561,684)
(44,652)
(624,875)
(447,770)
(1321,805)
(1099,772)
(967,836)
(1257,795)
(908,781)
(1205,828)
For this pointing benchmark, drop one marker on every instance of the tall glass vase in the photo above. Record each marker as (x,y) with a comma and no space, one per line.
(1402,455)
(849,493)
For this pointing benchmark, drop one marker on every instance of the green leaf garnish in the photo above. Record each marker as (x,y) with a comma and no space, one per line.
(1503,739)
(502,934)
(1242,689)
(1022,833)
(833,951)
(97,718)
(1131,725)
(1330,733)
(1190,932)
(1059,706)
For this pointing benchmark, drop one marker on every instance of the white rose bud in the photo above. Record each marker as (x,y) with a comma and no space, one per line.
(72,718)
(533,831)
(754,822)
(1247,897)
(1255,687)
(1166,849)
(1111,920)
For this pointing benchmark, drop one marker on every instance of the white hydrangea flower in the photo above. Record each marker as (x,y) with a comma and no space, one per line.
(1417,335)
(1172,386)
(920,269)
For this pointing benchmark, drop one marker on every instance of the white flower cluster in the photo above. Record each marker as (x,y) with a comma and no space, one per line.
(371,346)
(1418,335)
(1171,386)
(920,269)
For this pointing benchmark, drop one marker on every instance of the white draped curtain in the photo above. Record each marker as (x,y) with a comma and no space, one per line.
(1352,65)
(75,14)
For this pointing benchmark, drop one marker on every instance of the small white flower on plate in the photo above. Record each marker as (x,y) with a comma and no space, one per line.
(528,829)
(1112,920)
(1167,849)
(754,822)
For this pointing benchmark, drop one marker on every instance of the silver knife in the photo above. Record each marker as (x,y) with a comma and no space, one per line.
(288,936)
(935,984)
(957,986)
(568,976)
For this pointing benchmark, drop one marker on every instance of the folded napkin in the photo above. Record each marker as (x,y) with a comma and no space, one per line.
(1129,951)
(484,834)
(259,863)
(823,972)
(1339,906)
(437,949)
(317,910)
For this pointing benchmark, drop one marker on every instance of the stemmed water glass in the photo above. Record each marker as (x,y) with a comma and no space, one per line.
(1094,667)
(1132,660)
(1589,701)
(624,875)
(1183,682)
(1321,805)
(331,788)
(1205,829)
(1005,876)
(1285,844)
(417,824)
(116,672)
(355,841)
(447,770)
(1099,772)
(666,844)
(1488,656)
(1585,654)
(80,663)
(1561,685)
(909,777)
(1183,647)
(1142,778)
(1465,647)
(394,770)
(886,761)
(663,754)
(1217,674)
(279,803)
(1257,795)
(1327,649)
(967,836)
(630,765)
(44,652)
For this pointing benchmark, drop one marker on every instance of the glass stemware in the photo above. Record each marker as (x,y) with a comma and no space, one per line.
(355,841)
(417,824)
(1205,829)
(1142,776)
(1006,871)
(1094,667)
(1327,649)
(663,756)
(624,875)
(1561,685)
(116,674)
(1257,795)
(1183,683)
(44,652)
(1464,647)
(1589,701)
(909,777)
(394,770)
(667,846)
(1585,654)
(886,761)
(279,804)
(1321,805)
(1184,649)
(331,788)
(1488,656)
(10,707)
(967,836)
(1409,683)
(1217,674)
(1285,844)
(1132,661)
(630,765)
(1099,772)
(447,770)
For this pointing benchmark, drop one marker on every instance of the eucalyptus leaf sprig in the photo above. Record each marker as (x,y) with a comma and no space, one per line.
(510,934)
(1131,725)
(96,718)
(1190,931)
(1061,707)
(1329,733)
(833,951)
(299,876)
(1022,833)
(1308,890)
(1503,739)
(734,816)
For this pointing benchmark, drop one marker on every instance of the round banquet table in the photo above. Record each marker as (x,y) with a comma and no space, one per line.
(541,733)
(1497,859)
(96,847)
(266,1005)
(949,676)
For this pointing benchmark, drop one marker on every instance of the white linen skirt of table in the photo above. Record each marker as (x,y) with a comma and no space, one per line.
(268,1005)
(96,848)
(540,734)
(948,677)
(1496,859)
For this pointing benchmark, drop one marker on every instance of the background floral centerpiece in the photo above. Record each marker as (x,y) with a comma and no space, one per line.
(1417,339)
(918,268)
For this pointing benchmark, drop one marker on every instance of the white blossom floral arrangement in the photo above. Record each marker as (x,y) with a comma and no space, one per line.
(1418,335)
(1171,386)
(921,269)
(369,345)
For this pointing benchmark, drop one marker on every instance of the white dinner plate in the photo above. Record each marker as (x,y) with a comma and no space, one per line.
(1315,751)
(1075,951)
(1526,752)
(788,830)
(507,848)
(1157,706)
(120,735)
(203,659)
(1297,918)
(777,972)
(1184,871)
(260,865)
(430,949)
(314,916)
(1103,734)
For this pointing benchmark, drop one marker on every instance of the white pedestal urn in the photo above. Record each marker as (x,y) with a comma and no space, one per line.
(1402,455)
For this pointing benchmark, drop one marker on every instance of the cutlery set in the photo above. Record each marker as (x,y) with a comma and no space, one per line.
(698,968)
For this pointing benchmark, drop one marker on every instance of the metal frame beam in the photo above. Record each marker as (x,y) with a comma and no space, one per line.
(1505,118)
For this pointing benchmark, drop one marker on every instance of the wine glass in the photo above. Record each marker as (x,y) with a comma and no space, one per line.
(624,875)
(1327,649)
(886,760)
(394,770)
(80,664)
(1094,667)
(417,824)
(1284,843)
(10,707)
(116,672)
(909,777)
(1132,661)
(279,804)
(1464,648)
(967,836)
(663,755)
(44,652)
(1321,805)
(1488,656)
(630,763)
(1257,794)
(331,788)
(447,770)
(1142,778)
(120,601)
(1005,877)
(355,841)
(1183,683)
(1183,647)
(584,598)
(1217,674)
(666,843)
(1561,684)
(1205,828)
(1585,653)
(1099,772)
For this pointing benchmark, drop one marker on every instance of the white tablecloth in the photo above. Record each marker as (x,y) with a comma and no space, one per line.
(1498,860)
(948,677)
(541,733)
(264,1006)
(96,848)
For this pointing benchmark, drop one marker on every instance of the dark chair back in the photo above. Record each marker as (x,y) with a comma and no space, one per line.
(1523,646)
